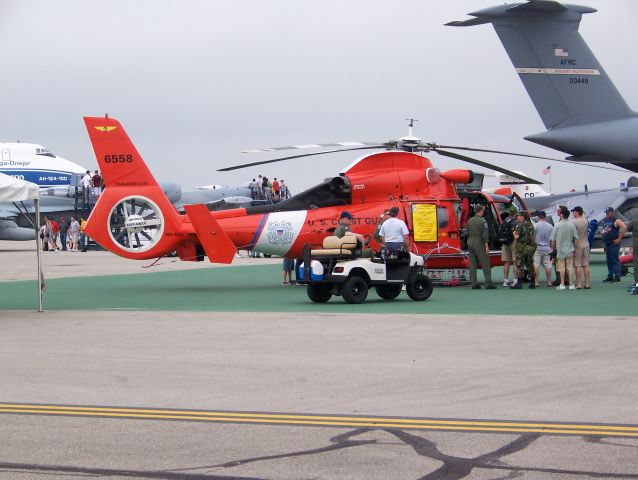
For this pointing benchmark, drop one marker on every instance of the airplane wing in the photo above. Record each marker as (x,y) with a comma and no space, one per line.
(625,202)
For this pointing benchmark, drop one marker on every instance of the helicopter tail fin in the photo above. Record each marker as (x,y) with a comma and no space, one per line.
(563,78)
(133,217)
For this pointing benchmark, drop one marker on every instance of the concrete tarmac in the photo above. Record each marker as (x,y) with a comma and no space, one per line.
(19,263)
(472,369)
(548,369)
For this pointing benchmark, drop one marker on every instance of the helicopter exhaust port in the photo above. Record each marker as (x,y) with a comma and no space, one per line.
(458,176)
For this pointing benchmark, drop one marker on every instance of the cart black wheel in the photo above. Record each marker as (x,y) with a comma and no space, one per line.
(319,293)
(624,270)
(355,290)
(420,289)
(388,292)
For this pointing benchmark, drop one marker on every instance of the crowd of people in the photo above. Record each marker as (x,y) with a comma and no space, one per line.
(526,247)
(262,188)
(65,235)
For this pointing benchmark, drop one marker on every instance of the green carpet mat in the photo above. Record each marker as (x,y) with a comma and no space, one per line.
(258,289)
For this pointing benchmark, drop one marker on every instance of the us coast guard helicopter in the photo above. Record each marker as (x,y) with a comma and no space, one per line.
(134,219)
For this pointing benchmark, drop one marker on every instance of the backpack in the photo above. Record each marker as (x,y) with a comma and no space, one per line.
(505,235)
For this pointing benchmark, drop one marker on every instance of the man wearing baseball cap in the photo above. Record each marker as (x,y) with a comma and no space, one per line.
(613,231)
(581,248)
(542,256)
(345,221)
(563,239)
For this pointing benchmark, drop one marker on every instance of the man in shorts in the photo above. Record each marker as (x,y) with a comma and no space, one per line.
(581,252)
(563,239)
(542,232)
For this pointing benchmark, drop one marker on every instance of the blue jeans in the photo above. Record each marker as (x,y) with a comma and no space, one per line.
(612,255)
(394,246)
(390,248)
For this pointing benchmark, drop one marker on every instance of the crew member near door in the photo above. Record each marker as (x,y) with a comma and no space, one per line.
(478,248)
(525,249)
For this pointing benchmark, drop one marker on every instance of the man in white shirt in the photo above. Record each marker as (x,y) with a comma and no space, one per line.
(394,233)
(86,186)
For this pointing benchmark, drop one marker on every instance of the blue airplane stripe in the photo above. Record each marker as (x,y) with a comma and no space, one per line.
(41,177)
(262,222)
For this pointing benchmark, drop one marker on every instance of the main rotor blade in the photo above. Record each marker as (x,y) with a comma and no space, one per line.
(264,162)
(571,162)
(312,145)
(486,165)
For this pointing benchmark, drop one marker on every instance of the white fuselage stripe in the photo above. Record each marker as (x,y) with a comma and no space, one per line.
(280,232)
(559,71)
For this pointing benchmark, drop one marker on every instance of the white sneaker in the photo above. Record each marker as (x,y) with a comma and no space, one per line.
(506,283)
(572,287)
(560,287)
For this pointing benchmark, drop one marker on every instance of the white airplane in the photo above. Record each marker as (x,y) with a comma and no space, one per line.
(511,185)
(36,164)
(53,174)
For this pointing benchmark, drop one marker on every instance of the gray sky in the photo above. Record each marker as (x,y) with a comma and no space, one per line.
(195,82)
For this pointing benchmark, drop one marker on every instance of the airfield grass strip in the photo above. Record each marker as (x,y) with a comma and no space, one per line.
(258,289)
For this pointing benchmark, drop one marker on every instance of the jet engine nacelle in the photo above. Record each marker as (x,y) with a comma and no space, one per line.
(9,230)
(172,190)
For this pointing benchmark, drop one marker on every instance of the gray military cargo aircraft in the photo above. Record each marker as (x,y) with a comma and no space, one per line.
(585,115)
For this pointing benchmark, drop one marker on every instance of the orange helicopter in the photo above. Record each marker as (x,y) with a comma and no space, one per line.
(133,218)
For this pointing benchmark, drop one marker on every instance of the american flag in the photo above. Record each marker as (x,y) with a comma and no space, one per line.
(547,171)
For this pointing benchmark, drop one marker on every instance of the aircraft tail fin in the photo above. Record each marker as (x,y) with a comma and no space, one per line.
(117,157)
(133,217)
(563,78)
(511,185)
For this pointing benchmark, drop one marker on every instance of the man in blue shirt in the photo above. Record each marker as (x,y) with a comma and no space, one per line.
(613,231)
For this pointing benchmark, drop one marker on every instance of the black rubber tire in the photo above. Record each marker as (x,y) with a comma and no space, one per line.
(420,289)
(355,290)
(319,293)
(624,270)
(388,292)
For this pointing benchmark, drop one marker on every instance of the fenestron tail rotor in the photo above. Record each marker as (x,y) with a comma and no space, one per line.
(136,224)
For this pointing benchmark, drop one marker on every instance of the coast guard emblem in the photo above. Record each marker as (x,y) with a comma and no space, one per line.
(280,233)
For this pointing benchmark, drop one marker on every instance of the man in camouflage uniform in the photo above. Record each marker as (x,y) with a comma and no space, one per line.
(478,248)
(525,249)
